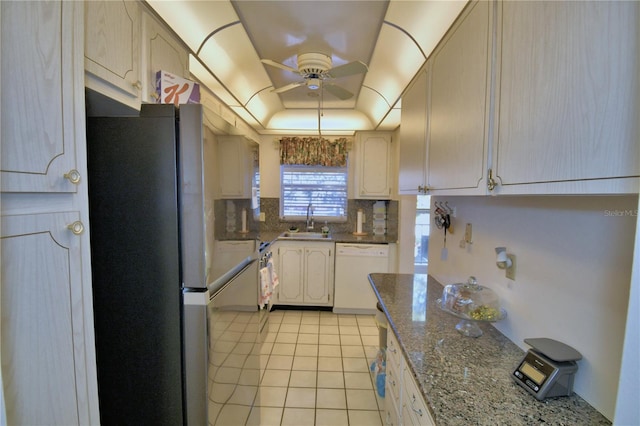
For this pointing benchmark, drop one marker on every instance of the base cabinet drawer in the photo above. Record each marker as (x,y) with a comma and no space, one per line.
(393,384)
(394,356)
(391,413)
(404,403)
(414,408)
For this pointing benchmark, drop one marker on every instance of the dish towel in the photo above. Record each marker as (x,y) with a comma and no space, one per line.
(268,282)
(273,275)
(266,288)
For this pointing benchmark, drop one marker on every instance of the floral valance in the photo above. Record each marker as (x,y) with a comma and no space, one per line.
(314,151)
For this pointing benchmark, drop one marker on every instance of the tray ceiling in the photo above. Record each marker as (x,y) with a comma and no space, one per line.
(228,40)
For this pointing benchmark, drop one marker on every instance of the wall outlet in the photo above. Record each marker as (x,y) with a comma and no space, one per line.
(263,217)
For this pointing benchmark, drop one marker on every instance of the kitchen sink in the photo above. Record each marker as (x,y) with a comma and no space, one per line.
(304,236)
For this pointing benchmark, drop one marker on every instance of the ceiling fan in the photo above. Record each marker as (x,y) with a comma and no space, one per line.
(315,68)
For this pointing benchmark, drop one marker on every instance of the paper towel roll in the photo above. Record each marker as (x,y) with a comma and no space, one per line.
(359,223)
(244,220)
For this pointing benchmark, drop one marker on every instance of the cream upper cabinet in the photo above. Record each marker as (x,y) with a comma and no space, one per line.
(236,164)
(112,49)
(459,104)
(160,51)
(39,99)
(412,173)
(373,165)
(567,104)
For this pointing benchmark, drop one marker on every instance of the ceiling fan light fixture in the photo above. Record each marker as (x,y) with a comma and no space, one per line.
(313,83)
(313,63)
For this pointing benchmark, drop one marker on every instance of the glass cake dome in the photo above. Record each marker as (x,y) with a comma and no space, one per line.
(472,303)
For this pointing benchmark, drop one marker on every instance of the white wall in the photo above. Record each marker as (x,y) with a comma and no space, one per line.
(627,408)
(573,273)
(406,233)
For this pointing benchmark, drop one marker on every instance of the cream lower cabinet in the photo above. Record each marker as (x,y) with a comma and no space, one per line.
(48,348)
(404,404)
(568,98)
(44,363)
(228,254)
(414,408)
(305,271)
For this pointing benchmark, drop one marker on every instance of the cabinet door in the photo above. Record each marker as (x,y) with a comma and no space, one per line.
(374,165)
(318,275)
(44,368)
(234,166)
(391,413)
(160,51)
(228,254)
(414,408)
(112,47)
(459,107)
(569,99)
(291,274)
(413,136)
(40,101)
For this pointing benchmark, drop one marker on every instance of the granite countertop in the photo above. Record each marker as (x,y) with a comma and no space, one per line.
(466,380)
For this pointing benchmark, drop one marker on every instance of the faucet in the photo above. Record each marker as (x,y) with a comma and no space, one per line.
(309,217)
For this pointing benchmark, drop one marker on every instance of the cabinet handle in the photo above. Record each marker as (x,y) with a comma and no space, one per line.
(137,85)
(424,189)
(491,182)
(418,411)
(73,176)
(393,350)
(76,227)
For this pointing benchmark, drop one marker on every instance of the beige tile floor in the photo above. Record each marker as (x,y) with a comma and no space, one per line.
(316,371)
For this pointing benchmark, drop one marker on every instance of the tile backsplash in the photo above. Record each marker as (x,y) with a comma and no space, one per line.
(271,208)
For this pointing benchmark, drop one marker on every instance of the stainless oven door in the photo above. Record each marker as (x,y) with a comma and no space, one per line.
(222,349)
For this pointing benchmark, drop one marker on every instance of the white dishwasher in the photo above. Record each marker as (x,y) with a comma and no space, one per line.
(354,262)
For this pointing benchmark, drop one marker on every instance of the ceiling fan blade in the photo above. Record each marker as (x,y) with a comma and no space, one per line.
(355,67)
(338,92)
(278,65)
(288,87)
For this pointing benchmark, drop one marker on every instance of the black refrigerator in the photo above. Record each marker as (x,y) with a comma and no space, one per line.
(151,227)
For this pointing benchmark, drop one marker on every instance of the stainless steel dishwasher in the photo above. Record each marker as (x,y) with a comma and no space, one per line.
(354,262)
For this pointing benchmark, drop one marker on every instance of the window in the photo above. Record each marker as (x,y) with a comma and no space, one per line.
(323,187)
(422,234)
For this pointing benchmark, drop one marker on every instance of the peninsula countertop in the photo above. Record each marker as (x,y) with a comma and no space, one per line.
(465,380)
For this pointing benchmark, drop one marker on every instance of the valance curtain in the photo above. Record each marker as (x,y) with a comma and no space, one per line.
(313,151)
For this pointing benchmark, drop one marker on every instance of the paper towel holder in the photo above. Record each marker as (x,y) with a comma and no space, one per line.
(506,261)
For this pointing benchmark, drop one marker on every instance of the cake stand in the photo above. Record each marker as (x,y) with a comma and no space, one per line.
(469,326)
